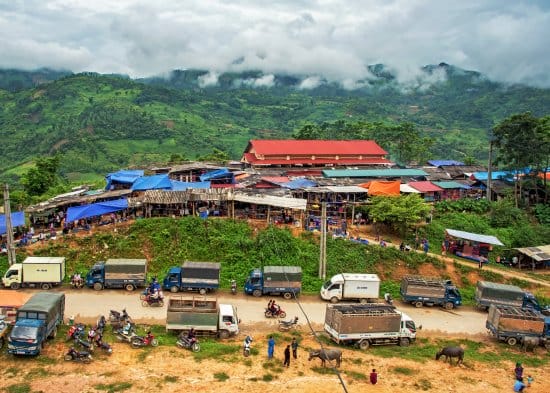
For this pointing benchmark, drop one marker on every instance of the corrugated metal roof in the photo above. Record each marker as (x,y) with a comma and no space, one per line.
(540,253)
(406,189)
(315,147)
(269,200)
(373,173)
(474,237)
(425,186)
(347,189)
(450,184)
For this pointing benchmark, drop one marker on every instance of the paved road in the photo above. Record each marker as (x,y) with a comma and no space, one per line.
(86,305)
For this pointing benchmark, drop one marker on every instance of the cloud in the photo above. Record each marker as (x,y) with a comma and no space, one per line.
(335,39)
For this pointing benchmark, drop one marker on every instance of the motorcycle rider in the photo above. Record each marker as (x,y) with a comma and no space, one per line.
(247,342)
(274,308)
(127,327)
(191,337)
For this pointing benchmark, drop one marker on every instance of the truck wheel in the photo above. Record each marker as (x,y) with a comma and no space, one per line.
(449,305)
(418,304)
(174,289)
(334,300)
(129,287)
(512,341)
(202,291)
(98,286)
(14,285)
(287,295)
(364,345)
(45,286)
(404,342)
(224,334)
(257,293)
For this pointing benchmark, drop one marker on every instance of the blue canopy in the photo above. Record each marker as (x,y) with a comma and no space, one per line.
(96,209)
(444,162)
(123,176)
(217,174)
(183,185)
(298,183)
(17,220)
(155,182)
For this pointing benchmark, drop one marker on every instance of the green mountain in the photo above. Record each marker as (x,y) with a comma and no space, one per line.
(100,123)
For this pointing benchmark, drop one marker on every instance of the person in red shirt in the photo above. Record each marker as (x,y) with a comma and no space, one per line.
(373,377)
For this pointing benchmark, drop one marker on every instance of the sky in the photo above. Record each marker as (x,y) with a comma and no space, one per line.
(332,39)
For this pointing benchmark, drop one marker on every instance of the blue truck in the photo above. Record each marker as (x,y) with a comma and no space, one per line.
(199,277)
(118,273)
(36,321)
(430,291)
(492,293)
(274,280)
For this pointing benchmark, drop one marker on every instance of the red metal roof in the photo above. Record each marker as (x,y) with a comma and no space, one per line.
(268,147)
(424,186)
(319,161)
(276,179)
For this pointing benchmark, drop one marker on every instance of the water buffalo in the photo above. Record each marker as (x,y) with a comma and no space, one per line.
(530,343)
(327,354)
(450,353)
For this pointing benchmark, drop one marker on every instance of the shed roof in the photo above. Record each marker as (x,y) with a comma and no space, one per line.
(425,186)
(315,147)
(539,253)
(474,237)
(372,173)
(269,200)
(406,189)
(450,184)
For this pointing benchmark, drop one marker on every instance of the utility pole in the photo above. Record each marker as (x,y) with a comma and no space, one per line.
(323,245)
(9,227)
(490,168)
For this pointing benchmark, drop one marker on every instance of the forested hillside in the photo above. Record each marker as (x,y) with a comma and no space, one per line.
(100,123)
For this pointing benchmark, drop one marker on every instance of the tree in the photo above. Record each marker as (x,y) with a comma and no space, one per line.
(216,156)
(38,179)
(400,212)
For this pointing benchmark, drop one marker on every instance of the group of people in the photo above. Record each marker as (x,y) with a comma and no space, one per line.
(519,384)
(154,290)
(273,307)
(293,346)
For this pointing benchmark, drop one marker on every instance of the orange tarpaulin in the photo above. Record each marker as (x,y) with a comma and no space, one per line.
(384,188)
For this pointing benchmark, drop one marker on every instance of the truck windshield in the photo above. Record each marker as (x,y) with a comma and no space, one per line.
(327,284)
(24,333)
(410,325)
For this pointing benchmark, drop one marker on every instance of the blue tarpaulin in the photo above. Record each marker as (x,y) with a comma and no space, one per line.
(96,209)
(217,174)
(155,182)
(444,162)
(123,176)
(183,185)
(298,183)
(17,220)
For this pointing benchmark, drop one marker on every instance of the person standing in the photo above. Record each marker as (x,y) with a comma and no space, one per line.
(294,346)
(426,246)
(287,356)
(518,371)
(519,386)
(373,377)
(270,347)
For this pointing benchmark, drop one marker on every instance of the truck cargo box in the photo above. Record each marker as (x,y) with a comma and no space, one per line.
(186,312)
(423,286)
(499,293)
(124,269)
(361,286)
(282,276)
(200,272)
(43,269)
(515,319)
(362,318)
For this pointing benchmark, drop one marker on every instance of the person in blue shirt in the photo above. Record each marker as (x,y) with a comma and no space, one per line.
(519,385)
(270,347)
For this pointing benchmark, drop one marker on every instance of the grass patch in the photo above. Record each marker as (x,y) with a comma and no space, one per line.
(221,377)
(146,351)
(356,375)
(247,362)
(19,388)
(423,384)
(211,349)
(322,370)
(171,379)
(38,372)
(357,361)
(268,377)
(403,370)
(114,387)
(12,372)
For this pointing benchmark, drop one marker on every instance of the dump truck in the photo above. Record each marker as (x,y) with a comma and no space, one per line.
(363,325)
(36,321)
(200,277)
(35,272)
(430,291)
(274,280)
(205,315)
(488,293)
(513,324)
(351,286)
(118,273)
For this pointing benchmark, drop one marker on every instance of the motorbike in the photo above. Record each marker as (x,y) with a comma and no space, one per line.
(277,313)
(106,347)
(76,281)
(285,326)
(233,287)
(246,346)
(75,331)
(153,302)
(125,335)
(388,299)
(143,341)
(186,343)
(78,356)
(117,319)
(100,325)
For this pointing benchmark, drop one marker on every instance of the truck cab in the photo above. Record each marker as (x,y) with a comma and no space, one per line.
(530,301)
(408,327)
(27,337)
(254,282)
(228,324)
(452,294)
(172,281)
(96,275)
(332,289)
(13,277)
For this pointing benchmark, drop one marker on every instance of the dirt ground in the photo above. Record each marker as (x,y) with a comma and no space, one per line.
(174,369)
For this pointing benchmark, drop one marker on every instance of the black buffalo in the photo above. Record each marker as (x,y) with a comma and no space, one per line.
(450,353)
(327,354)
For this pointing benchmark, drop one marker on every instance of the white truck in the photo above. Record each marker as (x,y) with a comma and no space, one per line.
(351,286)
(363,325)
(35,272)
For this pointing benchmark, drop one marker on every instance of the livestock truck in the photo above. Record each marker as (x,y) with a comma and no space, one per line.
(36,321)
(35,272)
(200,277)
(274,280)
(118,273)
(514,324)
(488,293)
(205,315)
(363,325)
(430,291)
(351,286)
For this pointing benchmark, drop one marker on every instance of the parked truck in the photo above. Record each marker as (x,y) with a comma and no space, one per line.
(205,315)
(3,330)
(36,321)
(430,291)
(513,324)
(193,276)
(274,280)
(364,325)
(118,273)
(488,293)
(35,272)
(351,286)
